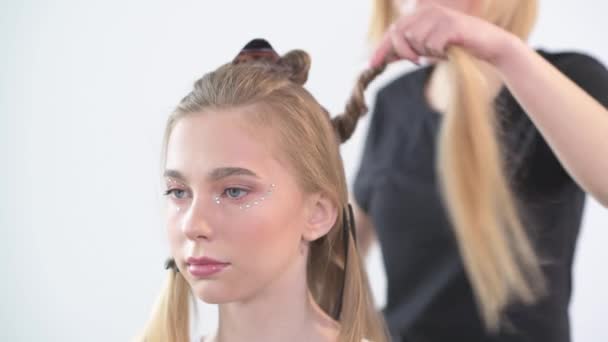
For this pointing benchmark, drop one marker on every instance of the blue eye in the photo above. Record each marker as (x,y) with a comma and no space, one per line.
(176,193)
(235,193)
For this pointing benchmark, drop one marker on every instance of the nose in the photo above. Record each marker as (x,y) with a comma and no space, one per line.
(195,224)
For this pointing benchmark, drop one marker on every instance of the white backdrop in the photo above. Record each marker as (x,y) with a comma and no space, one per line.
(85,87)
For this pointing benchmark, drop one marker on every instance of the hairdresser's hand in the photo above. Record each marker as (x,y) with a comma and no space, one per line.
(431,29)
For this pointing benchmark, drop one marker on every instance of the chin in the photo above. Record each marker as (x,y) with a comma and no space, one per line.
(213,292)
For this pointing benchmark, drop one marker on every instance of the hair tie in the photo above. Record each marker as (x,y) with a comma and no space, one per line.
(256,50)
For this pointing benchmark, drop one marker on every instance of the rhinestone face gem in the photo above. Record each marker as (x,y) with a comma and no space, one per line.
(245,206)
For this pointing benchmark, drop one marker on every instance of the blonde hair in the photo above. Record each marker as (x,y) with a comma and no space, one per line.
(497,254)
(309,144)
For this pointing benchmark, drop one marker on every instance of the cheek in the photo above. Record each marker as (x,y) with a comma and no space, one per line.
(174,232)
(263,234)
(263,238)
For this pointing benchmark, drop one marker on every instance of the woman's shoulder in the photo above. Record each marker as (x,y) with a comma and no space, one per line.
(567,56)
(575,63)
(583,69)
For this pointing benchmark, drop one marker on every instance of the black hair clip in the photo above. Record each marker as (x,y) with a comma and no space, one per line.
(351,218)
(255,50)
(171,265)
(348,229)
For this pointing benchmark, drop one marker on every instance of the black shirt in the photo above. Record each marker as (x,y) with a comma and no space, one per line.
(429,295)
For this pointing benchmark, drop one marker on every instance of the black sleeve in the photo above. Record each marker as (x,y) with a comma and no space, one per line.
(588,73)
(367,173)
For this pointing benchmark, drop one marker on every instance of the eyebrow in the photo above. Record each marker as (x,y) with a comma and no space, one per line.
(215,174)
(174,174)
(224,172)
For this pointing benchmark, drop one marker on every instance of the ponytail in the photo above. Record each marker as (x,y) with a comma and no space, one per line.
(169,321)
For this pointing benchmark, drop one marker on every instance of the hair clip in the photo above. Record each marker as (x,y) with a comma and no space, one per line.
(257,50)
(348,229)
(170,264)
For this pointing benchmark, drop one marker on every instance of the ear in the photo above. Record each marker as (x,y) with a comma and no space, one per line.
(322,215)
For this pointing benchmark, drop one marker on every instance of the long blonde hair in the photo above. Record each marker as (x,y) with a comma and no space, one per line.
(497,254)
(309,143)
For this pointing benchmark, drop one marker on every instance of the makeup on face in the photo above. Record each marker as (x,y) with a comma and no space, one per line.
(229,188)
(219,200)
(204,267)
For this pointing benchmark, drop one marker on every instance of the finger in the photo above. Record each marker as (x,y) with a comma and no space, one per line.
(436,42)
(382,51)
(402,48)
(418,30)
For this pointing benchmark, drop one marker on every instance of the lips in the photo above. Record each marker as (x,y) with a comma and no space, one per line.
(205,267)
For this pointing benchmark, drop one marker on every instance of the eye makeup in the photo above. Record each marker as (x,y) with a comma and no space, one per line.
(225,200)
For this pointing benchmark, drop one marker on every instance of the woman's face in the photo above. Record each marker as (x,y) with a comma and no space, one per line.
(235,215)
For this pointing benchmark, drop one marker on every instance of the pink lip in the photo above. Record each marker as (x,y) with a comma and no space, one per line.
(204,267)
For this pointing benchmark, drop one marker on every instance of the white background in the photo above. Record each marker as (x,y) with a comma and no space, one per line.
(85,88)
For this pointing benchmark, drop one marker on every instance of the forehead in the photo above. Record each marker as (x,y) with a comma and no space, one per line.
(201,142)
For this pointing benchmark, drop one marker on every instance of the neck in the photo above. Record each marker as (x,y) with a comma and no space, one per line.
(282,311)
(439,87)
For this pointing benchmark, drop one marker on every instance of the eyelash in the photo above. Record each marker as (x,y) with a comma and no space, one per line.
(225,193)
(172,192)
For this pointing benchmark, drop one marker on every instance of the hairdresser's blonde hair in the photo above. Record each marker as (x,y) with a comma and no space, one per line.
(499,259)
(307,141)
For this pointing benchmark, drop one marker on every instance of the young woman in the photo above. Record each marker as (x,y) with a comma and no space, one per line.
(475,171)
(257,213)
